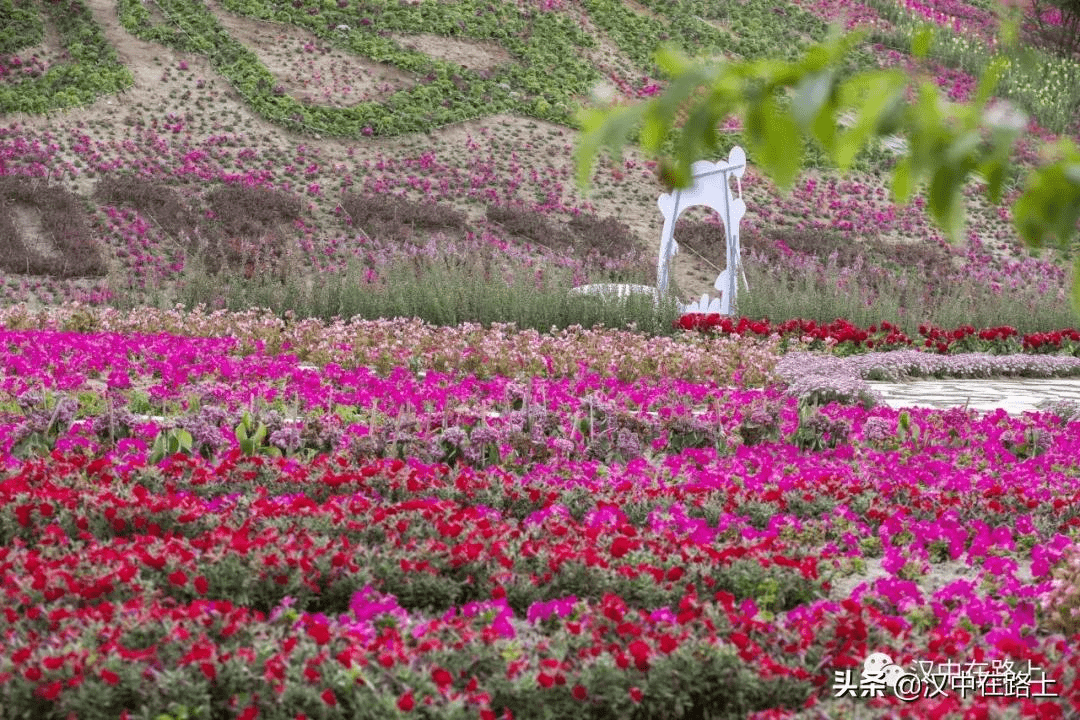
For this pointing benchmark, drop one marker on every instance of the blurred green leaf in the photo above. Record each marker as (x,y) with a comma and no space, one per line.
(603,129)
(989,80)
(921,41)
(810,96)
(993,171)
(873,97)
(775,142)
(671,60)
(945,201)
(961,149)
(903,184)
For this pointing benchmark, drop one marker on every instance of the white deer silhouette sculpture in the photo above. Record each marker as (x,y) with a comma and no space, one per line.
(711,187)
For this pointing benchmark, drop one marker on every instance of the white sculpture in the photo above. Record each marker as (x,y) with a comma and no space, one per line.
(711,187)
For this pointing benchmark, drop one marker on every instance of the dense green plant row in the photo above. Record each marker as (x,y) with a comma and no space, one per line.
(546,45)
(1045,85)
(550,72)
(758,28)
(92,70)
(20,26)
(638,35)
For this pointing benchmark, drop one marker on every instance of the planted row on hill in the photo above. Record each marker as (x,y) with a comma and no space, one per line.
(548,74)
(20,26)
(73,251)
(92,68)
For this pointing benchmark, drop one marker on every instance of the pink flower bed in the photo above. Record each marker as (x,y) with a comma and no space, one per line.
(573,541)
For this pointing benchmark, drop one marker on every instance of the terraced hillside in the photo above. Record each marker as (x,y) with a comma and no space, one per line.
(262,139)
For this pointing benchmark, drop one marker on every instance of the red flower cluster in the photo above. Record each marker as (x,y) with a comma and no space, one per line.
(887,336)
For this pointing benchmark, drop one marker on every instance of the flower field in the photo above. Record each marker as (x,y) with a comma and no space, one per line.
(194,525)
(297,421)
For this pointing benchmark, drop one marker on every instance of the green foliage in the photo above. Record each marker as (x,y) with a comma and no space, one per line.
(816,431)
(168,443)
(20,26)
(46,419)
(548,73)
(93,69)
(905,430)
(252,437)
(442,291)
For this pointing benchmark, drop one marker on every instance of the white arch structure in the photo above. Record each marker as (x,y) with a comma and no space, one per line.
(711,187)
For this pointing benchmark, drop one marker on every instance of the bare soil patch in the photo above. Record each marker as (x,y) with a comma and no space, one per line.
(28,222)
(309,69)
(470,54)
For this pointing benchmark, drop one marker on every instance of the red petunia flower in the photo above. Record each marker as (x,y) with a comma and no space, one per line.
(50,691)
(639,648)
(442,677)
(620,546)
(406,703)
(319,632)
(109,677)
(329,697)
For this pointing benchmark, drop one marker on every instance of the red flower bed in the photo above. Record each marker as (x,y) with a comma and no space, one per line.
(846,337)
